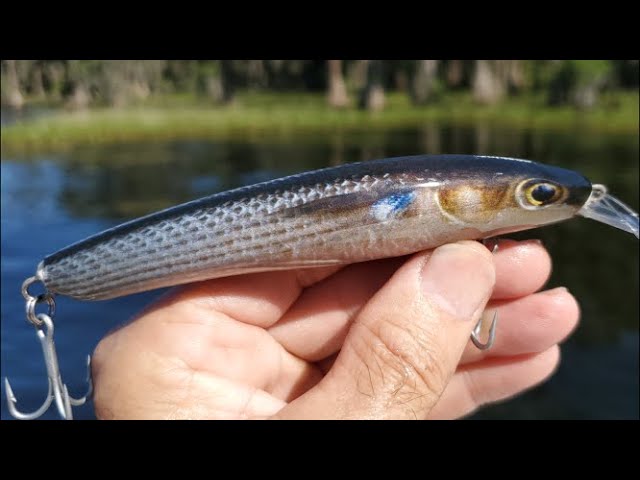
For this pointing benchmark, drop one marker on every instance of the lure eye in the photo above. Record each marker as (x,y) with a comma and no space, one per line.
(543,193)
(539,193)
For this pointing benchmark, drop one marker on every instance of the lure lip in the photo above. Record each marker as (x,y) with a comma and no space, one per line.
(605,208)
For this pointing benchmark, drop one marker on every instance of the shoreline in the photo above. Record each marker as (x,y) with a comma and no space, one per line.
(285,115)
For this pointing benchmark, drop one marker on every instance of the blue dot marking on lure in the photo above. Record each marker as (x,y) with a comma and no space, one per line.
(393,205)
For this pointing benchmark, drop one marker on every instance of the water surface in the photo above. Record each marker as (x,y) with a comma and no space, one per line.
(51,200)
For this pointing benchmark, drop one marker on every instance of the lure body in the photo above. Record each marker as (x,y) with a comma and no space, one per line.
(338,215)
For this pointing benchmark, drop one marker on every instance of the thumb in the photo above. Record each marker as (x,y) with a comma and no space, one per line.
(406,342)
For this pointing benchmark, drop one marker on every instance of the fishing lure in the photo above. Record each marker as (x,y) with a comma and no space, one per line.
(334,216)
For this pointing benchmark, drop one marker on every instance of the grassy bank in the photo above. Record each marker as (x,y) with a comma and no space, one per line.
(170,118)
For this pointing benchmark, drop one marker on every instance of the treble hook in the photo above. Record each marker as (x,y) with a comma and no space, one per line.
(475,334)
(58,391)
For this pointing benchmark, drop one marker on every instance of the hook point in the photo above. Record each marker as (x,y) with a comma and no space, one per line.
(475,335)
(9,391)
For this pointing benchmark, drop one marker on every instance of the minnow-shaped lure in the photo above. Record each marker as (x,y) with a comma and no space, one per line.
(340,215)
(334,216)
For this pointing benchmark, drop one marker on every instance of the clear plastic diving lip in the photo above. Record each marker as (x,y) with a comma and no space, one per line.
(606,208)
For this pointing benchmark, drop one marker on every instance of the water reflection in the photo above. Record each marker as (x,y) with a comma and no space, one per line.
(11,115)
(127,180)
(51,201)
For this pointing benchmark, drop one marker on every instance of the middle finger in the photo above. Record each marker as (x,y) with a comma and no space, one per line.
(316,324)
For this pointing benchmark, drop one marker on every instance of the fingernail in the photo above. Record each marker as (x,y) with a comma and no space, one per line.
(459,278)
(555,291)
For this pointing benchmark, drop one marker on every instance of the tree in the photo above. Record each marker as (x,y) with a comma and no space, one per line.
(514,75)
(11,94)
(54,78)
(372,95)
(337,95)
(228,81)
(36,81)
(627,73)
(124,81)
(82,78)
(455,73)
(493,79)
(424,81)
(488,86)
(578,82)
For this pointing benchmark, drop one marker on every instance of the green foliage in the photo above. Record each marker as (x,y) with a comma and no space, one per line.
(569,77)
(88,72)
(626,73)
(539,73)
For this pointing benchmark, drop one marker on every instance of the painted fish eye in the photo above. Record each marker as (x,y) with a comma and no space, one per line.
(543,193)
(538,193)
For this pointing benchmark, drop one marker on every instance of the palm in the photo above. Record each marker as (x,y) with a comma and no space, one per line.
(245,347)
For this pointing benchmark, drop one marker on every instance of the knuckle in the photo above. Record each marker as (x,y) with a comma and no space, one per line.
(403,363)
(100,354)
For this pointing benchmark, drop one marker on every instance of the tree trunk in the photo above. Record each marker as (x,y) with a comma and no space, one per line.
(12,95)
(515,75)
(488,87)
(337,95)
(256,74)
(79,98)
(401,81)
(372,96)
(226,77)
(424,81)
(586,96)
(37,83)
(112,85)
(54,74)
(455,73)
(357,75)
(213,88)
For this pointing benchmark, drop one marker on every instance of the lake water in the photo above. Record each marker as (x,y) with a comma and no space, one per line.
(51,200)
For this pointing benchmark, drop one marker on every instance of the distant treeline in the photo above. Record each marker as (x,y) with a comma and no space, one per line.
(79,84)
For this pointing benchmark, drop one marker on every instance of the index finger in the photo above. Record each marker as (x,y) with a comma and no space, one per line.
(258,299)
(261,299)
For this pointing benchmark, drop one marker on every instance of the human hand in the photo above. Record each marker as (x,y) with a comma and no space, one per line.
(381,339)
